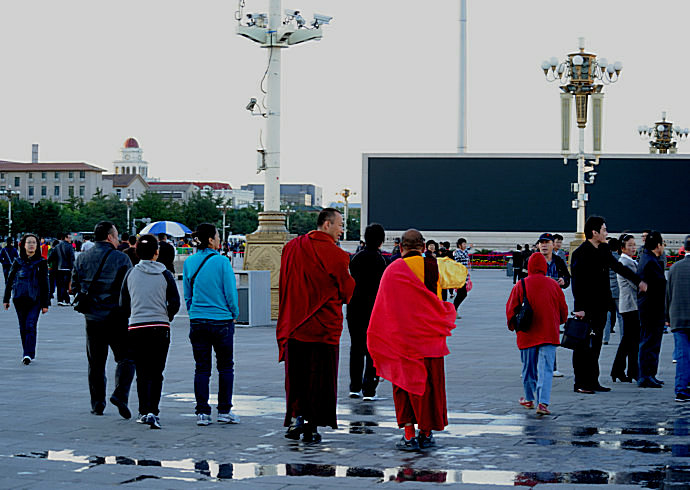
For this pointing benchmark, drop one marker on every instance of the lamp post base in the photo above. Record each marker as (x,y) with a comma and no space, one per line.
(264,249)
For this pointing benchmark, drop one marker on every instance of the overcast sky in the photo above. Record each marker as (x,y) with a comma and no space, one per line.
(79,77)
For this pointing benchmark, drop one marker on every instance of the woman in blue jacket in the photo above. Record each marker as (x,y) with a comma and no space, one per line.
(211,298)
(27,284)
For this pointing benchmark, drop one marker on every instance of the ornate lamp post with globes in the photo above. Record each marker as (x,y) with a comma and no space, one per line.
(581,75)
(661,135)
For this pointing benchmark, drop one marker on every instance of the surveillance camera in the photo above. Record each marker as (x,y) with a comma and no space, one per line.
(291,13)
(320,19)
(252,104)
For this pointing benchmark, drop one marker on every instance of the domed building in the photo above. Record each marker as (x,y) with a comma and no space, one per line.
(131,161)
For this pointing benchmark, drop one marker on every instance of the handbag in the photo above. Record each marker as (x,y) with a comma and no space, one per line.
(575,333)
(468,284)
(523,318)
(83,303)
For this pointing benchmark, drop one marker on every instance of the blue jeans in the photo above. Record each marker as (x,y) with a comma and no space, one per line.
(206,336)
(537,372)
(28,323)
(681,340)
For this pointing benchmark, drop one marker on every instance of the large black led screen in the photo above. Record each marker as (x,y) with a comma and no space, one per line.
(523,193)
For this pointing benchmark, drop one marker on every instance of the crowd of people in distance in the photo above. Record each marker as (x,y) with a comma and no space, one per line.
(399,316)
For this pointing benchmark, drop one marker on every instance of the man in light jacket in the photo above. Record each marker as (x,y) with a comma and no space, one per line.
(678,317)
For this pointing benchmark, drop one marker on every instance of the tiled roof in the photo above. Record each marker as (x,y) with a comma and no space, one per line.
(121,180)
(213,185)
(6,166)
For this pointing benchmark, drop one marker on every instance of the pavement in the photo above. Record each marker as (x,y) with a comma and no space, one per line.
(630,437)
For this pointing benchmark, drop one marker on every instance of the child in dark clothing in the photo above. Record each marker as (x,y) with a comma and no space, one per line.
(150,299)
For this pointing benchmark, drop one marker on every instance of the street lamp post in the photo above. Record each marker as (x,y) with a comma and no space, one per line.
(10,194)
(345,194)
(274,32)
(581,75)
(224,209)
(128,202)
(661,135)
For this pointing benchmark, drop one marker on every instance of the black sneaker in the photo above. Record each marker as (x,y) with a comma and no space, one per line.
(296,428)
(682,397)
(153,421)
(426,442)
(311,435)
(405,445)
(121,407)
(98,408)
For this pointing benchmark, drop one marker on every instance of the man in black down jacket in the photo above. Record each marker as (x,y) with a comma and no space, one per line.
(651,305)
(105,323)
(366,267)
(590,265)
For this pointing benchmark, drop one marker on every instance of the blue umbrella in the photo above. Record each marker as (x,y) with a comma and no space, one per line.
(172,228)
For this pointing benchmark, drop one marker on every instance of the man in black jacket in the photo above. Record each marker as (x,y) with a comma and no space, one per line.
(366,267)
(106,325)
(166,253)
(651,304)
(590,265)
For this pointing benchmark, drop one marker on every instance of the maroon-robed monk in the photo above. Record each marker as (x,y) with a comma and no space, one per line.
(314,283)
(407,341)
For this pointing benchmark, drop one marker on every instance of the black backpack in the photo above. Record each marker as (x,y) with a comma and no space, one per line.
(25,285)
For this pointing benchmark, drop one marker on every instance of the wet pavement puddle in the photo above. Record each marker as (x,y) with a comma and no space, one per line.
(205,470)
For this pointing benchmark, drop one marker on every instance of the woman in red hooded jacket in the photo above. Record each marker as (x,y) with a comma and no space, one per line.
(538,344)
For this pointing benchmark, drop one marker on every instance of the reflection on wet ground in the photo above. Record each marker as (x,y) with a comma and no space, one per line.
(641,445)
(656,477)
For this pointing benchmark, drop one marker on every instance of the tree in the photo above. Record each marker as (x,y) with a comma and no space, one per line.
(153,205)
(242,221)
(201,208)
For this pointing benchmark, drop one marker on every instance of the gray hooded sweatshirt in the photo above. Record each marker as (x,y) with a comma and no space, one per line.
(149,295)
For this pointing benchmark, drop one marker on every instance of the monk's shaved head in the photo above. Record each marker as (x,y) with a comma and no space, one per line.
(411,240)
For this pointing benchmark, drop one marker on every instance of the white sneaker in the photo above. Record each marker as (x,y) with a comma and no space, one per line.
(26,360)
(142,419)
(203,419)
(228,418)
(557,374)
(371,398)
(355,394)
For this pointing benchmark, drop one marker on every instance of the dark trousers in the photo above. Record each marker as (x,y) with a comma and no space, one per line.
(311,382)
(101,334)
(651,333)
(63,278)
(586,357)
(28,323)
(6,271)
(629,346)
(360,360)
(208,336)
(150,350)
(516,274)
(52,273)
(460,295)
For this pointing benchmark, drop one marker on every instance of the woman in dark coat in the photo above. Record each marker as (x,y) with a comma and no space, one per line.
(27,284)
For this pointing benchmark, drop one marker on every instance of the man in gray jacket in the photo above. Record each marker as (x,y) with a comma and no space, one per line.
(678,317)
(106,326)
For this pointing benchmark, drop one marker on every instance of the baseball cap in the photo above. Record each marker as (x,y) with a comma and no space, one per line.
(545,237)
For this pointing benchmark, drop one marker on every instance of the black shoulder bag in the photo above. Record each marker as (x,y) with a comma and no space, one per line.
(82,301)
(523,318)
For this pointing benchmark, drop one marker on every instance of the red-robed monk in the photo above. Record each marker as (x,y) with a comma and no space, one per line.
(314,283)
(407,341)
